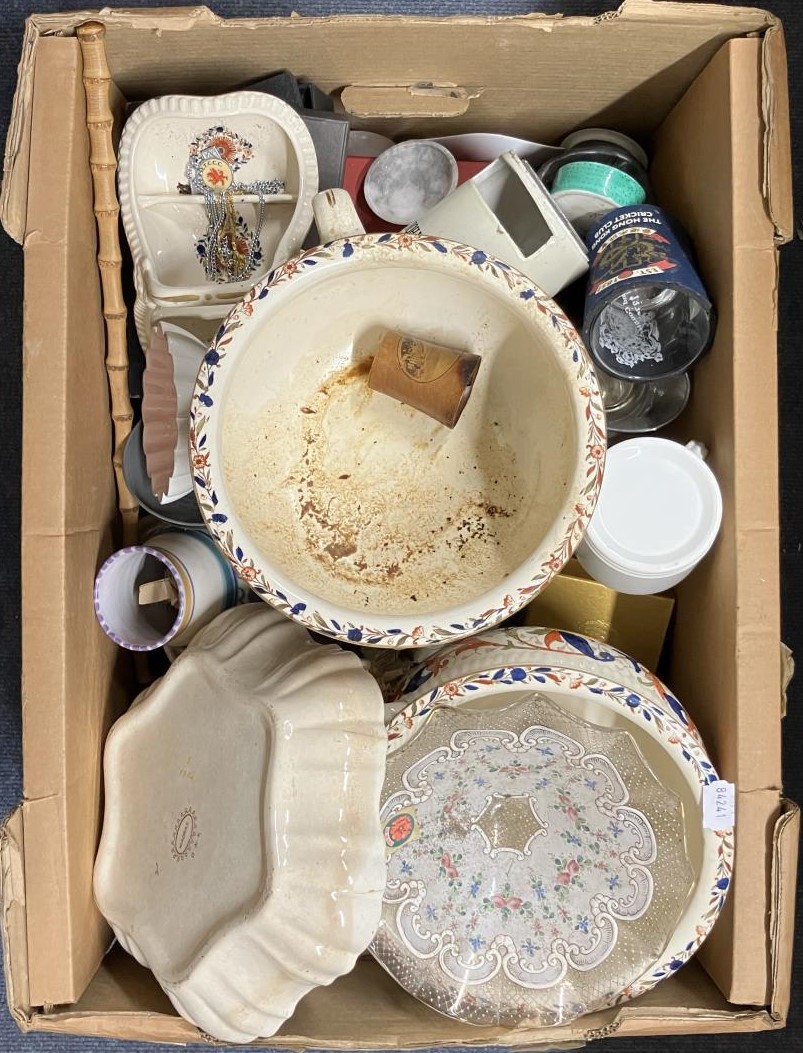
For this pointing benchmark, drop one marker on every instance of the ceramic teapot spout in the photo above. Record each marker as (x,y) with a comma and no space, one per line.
(335,215)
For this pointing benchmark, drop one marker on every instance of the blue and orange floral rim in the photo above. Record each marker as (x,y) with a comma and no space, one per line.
(306,609)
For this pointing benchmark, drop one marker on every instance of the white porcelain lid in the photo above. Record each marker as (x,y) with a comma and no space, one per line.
(660,507)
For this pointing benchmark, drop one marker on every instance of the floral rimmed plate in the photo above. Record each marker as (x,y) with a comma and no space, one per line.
(536,863)
(257,138)
(365,519)
(660,730)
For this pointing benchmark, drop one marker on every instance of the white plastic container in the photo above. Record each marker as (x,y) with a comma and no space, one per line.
(203,581)
(507,212)
(659,513)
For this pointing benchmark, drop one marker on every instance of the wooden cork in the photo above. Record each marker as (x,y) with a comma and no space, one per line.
(434,379)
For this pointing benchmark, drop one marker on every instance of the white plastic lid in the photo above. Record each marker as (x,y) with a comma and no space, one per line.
(607,135)
(582,208)
(659,508)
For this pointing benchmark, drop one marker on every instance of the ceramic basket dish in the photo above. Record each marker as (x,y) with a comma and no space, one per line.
(361,517)
(241,858)
(594,683)
(261,138)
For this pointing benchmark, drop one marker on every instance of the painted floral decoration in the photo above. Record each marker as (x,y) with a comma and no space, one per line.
(565,663)
(208,478)
(233,148)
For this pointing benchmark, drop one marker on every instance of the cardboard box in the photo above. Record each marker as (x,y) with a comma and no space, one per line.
(575,602)
(706,86)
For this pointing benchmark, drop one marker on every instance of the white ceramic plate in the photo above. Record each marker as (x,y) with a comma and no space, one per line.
(262,138)
(366,519)
(241,857)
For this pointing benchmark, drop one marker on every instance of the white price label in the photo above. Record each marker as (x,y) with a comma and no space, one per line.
(719,805)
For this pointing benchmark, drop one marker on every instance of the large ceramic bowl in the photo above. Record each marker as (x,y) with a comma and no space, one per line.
(538,862)
(359,516)
(592,682)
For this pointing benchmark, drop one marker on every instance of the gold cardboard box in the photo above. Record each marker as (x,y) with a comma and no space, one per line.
(576,603)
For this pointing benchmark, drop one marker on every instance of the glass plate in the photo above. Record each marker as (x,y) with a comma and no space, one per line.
(536,865)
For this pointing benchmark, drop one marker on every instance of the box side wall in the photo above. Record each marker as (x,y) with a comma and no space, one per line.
(68,505)
(402,51)
(707,170)
(413,50)
(80,665)
(725,661)
(367,1010)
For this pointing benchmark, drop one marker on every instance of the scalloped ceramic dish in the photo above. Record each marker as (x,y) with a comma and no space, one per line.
(536,863)
(595,683)
(241,857)
(359,516)
(262,138)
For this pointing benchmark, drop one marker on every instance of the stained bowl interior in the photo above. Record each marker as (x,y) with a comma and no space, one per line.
(357,500)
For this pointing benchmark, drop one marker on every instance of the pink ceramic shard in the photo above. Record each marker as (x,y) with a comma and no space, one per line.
(172,362)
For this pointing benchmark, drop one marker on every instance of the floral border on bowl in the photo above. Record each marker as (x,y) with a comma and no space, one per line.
(687,749)
(217,518)
(568,645)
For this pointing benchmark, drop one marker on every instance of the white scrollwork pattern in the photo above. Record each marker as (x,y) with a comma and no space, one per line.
(571,857)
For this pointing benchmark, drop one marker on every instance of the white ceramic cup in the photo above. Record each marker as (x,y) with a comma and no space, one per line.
(659,512)
(204,582)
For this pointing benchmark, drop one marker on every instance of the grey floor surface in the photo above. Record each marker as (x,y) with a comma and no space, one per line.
(12,15)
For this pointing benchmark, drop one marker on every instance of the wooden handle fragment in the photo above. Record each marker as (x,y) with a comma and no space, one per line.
(103,162)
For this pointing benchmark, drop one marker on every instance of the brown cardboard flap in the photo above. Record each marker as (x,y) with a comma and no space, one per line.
(422,49)
(785,845)
(787,674)
(69,692)
(777,141)
(16,158)
(14,934)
